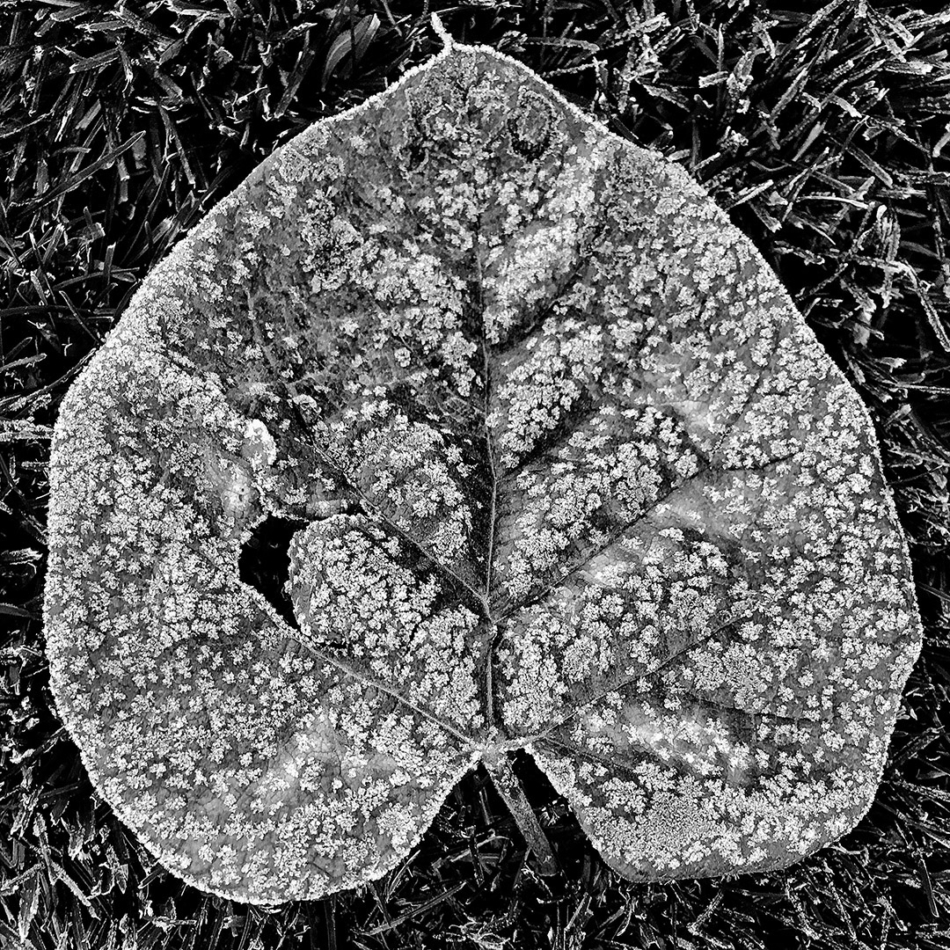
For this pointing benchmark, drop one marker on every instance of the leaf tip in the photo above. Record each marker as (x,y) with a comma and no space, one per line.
(441,31)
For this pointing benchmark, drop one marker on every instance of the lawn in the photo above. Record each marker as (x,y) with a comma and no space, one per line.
(826,136)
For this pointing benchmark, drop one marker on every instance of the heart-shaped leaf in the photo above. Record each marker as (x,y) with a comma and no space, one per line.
(571,475)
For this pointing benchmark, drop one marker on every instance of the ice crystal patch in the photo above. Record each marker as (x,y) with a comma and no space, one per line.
(561,469)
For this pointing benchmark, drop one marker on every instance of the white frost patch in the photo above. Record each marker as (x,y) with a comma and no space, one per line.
(684,509)
(237,492)
(259,444)
(687,734)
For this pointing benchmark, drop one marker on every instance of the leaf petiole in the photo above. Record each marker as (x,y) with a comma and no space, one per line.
(509,787)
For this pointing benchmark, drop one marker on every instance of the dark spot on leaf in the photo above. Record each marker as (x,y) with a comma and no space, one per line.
(529,143)
(417,145)
(530,127)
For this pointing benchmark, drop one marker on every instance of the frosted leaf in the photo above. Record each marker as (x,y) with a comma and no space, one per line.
(568,473)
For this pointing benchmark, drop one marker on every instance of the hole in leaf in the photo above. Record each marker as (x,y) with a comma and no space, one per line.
(264,563)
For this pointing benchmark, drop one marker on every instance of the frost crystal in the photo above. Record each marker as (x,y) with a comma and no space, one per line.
(571,475)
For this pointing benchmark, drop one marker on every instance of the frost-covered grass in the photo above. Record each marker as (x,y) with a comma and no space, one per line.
(824,138)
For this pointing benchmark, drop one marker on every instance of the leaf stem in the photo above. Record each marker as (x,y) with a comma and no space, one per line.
(509,787)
